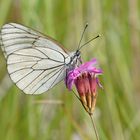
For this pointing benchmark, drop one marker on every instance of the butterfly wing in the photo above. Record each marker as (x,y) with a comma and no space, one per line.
(35,62)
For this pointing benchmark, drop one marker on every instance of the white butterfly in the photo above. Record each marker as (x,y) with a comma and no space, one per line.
(35,61)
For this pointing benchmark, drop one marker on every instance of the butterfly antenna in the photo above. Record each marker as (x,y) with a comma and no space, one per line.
(88,42)
(82,35)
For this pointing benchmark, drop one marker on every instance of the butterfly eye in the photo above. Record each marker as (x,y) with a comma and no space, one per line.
(78,53)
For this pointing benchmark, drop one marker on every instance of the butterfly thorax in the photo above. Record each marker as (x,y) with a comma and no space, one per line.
(73,60)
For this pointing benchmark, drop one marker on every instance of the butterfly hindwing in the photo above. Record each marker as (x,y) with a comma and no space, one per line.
(35,62)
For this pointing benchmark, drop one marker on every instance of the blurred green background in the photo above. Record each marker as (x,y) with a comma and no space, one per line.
(117,113)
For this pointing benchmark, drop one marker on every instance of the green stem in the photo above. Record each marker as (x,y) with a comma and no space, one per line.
(94,127)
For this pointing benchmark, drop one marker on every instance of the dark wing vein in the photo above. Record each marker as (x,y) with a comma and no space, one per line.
(49,79)
(57,77)
(21,37)
(28,30)
(53,50)
(41,78)
(24,76)
(28,55)
(21,62)
(19,43)
(35,69)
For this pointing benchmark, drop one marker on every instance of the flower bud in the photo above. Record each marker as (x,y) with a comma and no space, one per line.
(86,87)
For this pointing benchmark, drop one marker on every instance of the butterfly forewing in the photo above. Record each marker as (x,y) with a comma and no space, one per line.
(35,62)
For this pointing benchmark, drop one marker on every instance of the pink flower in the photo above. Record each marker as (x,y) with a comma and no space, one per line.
(85,78)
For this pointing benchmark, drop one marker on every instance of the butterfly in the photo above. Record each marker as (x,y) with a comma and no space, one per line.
(35,62)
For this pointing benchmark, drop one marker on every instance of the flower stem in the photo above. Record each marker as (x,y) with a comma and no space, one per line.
(94,127)
(91,117)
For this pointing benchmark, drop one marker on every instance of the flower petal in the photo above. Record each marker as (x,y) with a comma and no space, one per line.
(86,67)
